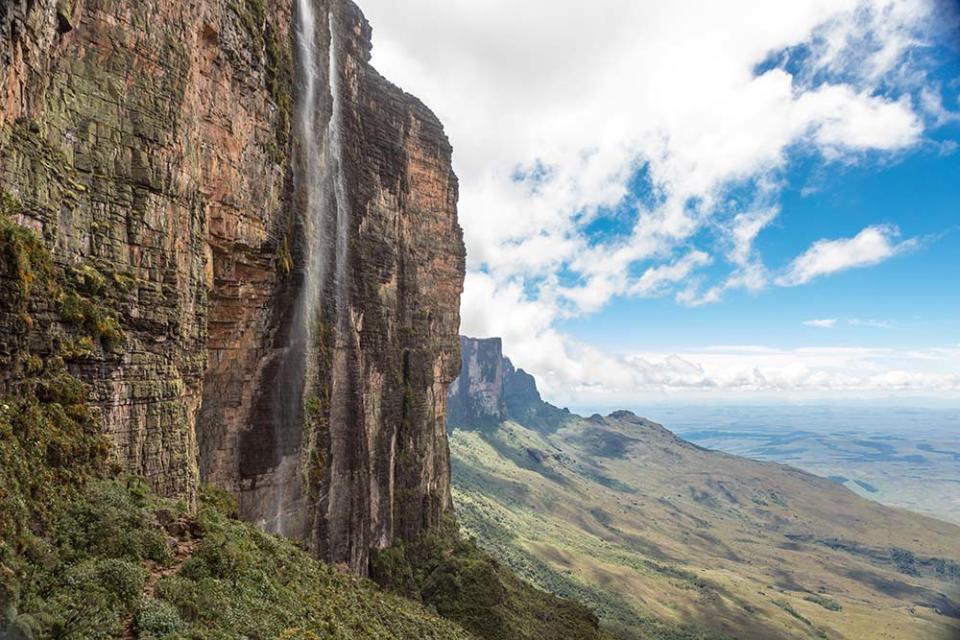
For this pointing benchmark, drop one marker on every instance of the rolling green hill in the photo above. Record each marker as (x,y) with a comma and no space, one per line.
(665,539)
(655,532)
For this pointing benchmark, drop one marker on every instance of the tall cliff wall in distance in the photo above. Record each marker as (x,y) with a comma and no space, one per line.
(154,148)
(490,390)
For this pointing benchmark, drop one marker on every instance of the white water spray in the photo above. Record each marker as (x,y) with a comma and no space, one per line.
(321,180)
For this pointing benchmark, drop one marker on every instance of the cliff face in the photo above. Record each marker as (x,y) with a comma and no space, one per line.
(155,149)
(476,397)
(490,390)
(141,141)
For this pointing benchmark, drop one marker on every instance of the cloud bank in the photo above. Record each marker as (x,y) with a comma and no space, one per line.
(637,149)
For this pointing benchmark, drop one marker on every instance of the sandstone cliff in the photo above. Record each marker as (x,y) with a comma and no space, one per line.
(155,148)
(490,390)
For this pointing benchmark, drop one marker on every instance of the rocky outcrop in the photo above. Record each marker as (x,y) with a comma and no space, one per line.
(476,397)
(489,390)
(152,146)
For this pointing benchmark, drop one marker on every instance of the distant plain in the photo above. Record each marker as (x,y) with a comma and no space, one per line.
(906,457)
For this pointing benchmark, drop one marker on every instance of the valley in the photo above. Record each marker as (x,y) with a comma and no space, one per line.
(666,539)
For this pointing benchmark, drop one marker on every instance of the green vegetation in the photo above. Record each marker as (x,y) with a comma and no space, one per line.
(904,561)
(87,576)
(241,582)
(25,258)
(697,548)
(786,606)
(452,576)
(81,549)
(826,602)
(619,616)
(78,293)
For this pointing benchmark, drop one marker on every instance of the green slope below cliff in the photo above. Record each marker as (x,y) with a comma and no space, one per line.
(86,553)
(664,539)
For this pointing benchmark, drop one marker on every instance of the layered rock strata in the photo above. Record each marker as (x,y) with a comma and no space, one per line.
(153,147)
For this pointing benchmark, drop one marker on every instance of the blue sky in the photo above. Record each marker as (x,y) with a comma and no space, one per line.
(744,200)
(918,192)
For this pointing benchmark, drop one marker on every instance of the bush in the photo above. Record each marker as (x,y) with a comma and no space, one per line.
(826,602)
(454,577)
(91,599)
(157,618)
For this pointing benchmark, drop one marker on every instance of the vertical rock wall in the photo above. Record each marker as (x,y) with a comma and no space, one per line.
(146,143)
(378,451)
(476,397)
(150,145)
(490,390)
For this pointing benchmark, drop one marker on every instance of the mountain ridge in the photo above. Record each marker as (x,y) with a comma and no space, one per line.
(661,536)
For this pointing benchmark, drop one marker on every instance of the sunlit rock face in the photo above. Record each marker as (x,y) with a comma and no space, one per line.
(490,390)
(283,269)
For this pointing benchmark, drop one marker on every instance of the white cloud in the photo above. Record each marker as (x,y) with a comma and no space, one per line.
(869,247)
(757,371)
(556,109)
(826,323)
(873,324)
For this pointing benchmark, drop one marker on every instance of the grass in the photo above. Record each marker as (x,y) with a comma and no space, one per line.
(658,562)
(826,602)
(451,575)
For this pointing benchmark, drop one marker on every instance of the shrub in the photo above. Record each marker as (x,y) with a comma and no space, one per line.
(157,618)
(826,602)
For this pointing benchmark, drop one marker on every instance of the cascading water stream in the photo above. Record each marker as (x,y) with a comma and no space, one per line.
(335,153)
(321,182)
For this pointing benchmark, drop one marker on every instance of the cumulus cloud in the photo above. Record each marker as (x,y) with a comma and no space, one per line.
(825,323)
(735,371)
(869,247)
(625,149)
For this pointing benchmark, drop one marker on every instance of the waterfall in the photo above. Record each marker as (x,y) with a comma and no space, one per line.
(335,151)
(320,180)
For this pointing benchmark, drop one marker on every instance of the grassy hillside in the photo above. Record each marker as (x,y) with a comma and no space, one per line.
(85,553)
(665,539)
(455,578)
